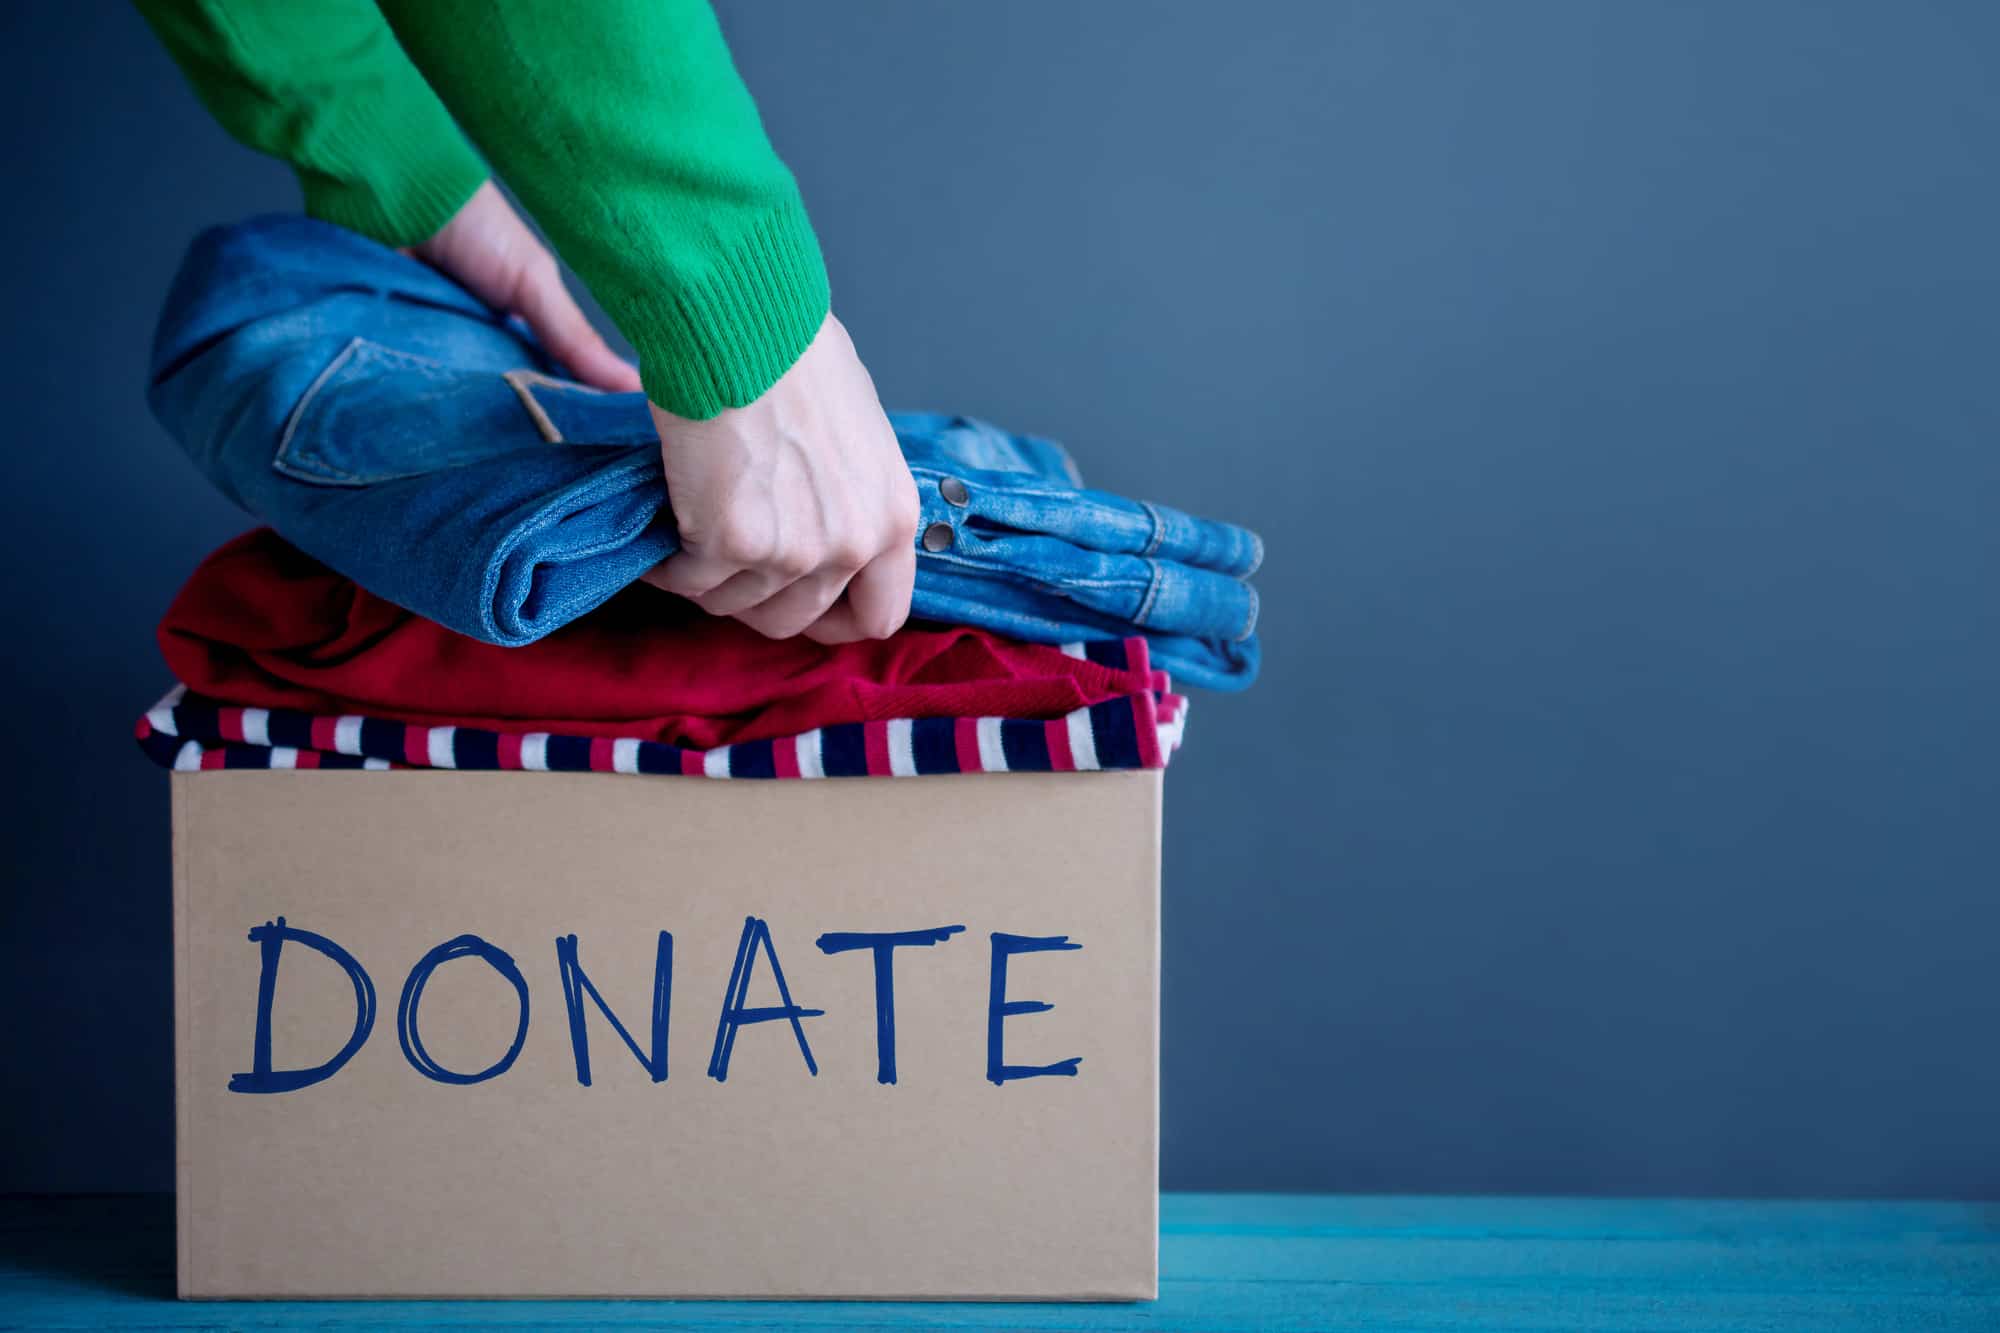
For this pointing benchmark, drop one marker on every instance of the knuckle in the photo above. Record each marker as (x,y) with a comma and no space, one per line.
(533,271)
(883,622)
(793,561)
(777,626)
(849,552)
(681,575)
(744,543)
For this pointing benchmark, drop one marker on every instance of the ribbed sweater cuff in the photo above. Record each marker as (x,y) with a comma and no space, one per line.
(416,178)
(731,333)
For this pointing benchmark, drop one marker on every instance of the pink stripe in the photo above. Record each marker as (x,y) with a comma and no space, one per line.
(229,722)
(322,733)
(509,751)
(785,756)
(691,763)
(144,729)
(211,758)
(600,754)
(417,745)
(965,737)
(1146,723)
(875,739)
(1138,656)
(1060,759)
(308,759)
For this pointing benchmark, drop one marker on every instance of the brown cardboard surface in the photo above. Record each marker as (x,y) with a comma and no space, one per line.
(380,1181)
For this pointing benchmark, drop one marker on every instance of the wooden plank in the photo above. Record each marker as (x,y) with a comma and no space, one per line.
(1229,1262)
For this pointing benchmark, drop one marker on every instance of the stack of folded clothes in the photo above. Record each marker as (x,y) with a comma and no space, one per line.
(459,531)
(283,663)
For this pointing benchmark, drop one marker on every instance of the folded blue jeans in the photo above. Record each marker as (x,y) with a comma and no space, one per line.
(389,424)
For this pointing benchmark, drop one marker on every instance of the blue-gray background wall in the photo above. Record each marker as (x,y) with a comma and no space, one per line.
(1617,385)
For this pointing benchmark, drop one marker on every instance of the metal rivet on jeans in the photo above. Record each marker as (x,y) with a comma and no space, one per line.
(953,491)
(937,537)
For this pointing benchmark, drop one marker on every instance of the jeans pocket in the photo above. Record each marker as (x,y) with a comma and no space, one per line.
(378,414)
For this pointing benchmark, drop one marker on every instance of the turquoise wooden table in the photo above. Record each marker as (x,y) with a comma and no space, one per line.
(1227,1262)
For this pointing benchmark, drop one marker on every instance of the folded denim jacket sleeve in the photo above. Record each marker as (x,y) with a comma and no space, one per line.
(1132,562)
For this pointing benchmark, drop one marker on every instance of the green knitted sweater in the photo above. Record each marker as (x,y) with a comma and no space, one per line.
(621,125)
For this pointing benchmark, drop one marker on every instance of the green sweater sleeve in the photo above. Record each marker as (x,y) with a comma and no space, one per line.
(620,124)
(322,85)
(624,129)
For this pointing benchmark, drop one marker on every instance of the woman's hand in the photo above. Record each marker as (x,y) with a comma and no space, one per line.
(490,252)
(797,513)
(790,502)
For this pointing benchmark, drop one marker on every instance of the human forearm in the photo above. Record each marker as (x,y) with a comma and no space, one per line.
(624,129)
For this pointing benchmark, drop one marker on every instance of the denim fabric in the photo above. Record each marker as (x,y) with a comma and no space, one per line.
(386,422)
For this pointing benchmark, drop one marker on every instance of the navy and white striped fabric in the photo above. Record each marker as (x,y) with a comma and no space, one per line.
(187,732)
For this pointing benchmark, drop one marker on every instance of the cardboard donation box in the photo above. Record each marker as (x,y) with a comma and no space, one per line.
(466,1034)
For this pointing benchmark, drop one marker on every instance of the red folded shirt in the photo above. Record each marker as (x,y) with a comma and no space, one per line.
(262,624)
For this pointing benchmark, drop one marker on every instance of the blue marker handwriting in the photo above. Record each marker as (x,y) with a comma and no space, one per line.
(756,949)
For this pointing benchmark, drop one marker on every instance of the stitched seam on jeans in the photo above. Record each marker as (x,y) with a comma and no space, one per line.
(284,453)
(1159,527)
(1145,610)
(1055,581)
(1249,617)
(988,569)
